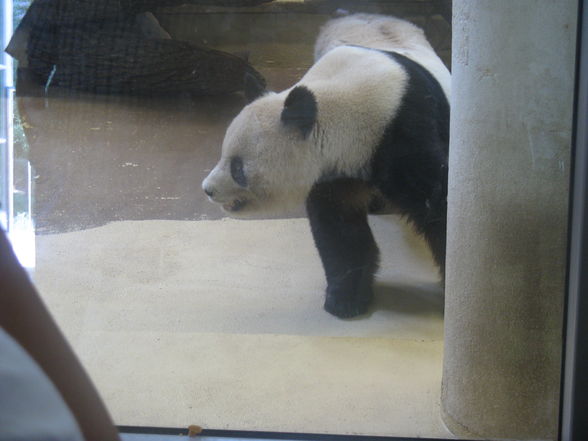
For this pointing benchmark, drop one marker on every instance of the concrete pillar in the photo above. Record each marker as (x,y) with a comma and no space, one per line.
(513,66)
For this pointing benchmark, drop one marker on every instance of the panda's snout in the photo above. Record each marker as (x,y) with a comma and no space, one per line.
(224,192)
(207,187)
(209,192)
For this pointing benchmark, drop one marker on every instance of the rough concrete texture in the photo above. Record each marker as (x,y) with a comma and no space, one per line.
(513,65)
(220,324)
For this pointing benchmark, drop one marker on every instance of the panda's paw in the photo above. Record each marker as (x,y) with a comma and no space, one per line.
(346,308)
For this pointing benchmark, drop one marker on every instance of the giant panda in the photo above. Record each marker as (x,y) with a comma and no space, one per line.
(365,130)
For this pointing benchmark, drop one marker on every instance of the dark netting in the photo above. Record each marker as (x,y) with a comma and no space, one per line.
(118,47)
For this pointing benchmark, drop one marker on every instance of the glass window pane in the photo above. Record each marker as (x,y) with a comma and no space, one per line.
(237,210)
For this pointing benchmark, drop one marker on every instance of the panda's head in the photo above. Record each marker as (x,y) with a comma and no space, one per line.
(270,158)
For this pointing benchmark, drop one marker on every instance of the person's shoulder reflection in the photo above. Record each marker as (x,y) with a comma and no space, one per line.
(45,394)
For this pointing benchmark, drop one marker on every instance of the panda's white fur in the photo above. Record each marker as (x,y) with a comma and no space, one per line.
(384,33)
(280,164)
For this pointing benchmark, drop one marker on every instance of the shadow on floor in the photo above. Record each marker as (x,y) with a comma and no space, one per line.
(422,299)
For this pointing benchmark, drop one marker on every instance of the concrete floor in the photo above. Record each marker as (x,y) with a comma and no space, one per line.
(211,323)
(183,317)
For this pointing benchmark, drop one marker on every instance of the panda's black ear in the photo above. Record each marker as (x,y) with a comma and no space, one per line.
(300,110)
(254,87)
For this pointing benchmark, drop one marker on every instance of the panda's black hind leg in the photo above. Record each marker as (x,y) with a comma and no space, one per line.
(338,218)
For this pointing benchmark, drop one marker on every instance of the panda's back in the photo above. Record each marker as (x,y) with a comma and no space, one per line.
(353,66)
(363,95)
(385,33)
(362,81)
(358,91)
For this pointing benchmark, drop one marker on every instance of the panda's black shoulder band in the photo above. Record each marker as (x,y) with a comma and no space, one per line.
(300,110)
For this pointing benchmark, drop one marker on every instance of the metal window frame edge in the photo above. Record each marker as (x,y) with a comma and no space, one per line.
(574,390)
(243,435)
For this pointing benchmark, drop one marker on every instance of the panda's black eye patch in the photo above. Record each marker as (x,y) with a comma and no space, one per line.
(237,172)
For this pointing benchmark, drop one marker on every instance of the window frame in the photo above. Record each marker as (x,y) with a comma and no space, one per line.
(574,384)
(574,390)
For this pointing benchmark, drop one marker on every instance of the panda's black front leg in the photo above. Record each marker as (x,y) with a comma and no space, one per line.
(338,218)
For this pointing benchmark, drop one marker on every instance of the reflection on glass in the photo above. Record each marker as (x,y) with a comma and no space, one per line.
(16,209)
(221,321)
(182,314)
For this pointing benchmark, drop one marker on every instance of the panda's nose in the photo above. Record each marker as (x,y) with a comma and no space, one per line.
(208,188)
(209,192)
